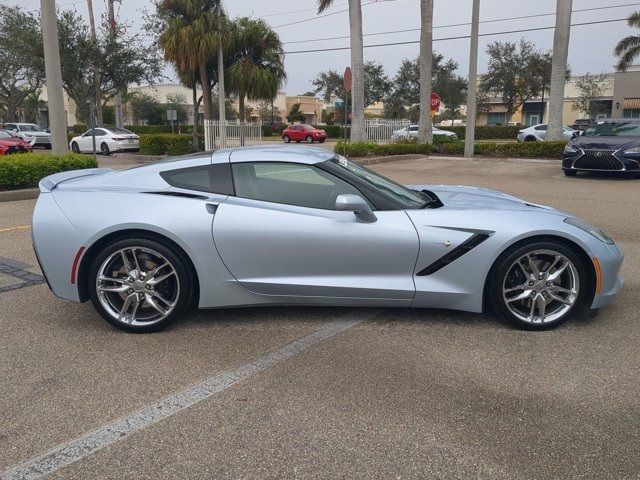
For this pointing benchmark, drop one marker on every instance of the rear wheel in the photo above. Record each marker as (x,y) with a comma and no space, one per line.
(104,149)
(286,139)
(570,173)
(139,285)
(538,286)
(75,148)
(309,139)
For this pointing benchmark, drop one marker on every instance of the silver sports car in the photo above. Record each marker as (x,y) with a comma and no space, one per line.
(301,226)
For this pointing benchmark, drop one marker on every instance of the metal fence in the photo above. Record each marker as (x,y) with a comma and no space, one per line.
(380,130)
(231,133)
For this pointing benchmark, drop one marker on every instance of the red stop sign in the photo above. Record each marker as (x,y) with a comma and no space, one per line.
(435,102)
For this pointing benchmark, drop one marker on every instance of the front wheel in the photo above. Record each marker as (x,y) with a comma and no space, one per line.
(570,173)
(309,139)
(322,140)
(286,139)
(538,285)
(75,148)
(139,285)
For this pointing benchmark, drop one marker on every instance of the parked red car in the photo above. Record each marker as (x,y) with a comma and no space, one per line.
(303,133)
(10,144)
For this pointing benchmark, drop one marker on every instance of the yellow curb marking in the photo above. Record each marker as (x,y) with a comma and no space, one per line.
(13,229)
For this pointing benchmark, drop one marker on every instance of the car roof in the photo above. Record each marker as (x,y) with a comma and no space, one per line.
(617,120)
(279,153)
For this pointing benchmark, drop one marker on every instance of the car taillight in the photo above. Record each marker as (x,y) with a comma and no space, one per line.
(118,139)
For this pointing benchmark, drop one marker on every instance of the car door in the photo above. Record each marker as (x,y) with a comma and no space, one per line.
(281,235)
(541,131)
(85,142)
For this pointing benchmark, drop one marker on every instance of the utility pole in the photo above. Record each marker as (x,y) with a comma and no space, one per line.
(472,93)
(96,65)
(112,30)
(559,69)
(55,93)
(425,129)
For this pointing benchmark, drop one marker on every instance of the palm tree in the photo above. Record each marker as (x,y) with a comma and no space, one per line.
(357,66)
(559,68)
(257,71)
(425,134)
(628,48)
(192,40)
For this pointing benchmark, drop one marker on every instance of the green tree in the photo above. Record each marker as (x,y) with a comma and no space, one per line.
(146,108)
(357,65)
(135,63)
(177,102)
(628,49)
(32,106)
(192,38)
(590,89)
(266,110)
(295,115)
(21,58)
(257,71)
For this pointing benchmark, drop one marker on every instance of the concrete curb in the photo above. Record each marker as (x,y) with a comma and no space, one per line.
(393,158)
(15,195)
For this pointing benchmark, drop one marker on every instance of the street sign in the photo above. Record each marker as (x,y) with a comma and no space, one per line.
(348,79)
(435,102)
(172,115)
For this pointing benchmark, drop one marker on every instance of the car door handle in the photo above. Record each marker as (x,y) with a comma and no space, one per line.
(212,208)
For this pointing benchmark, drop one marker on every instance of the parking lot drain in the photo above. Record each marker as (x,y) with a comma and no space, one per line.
(74,450)
(18,270)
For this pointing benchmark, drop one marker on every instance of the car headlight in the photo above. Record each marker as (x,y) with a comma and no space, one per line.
(590,229)
(570,149)
(632,150)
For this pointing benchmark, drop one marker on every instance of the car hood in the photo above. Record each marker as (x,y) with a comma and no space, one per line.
(606,143)
(36,134)
(13,143)
(458,197)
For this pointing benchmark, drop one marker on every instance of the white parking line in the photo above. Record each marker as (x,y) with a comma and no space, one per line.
(74,450)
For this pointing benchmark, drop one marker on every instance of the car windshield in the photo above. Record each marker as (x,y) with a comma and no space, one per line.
(308,127)
(407,198)
(5,134)
(30,128)
(121,131)
(613,129)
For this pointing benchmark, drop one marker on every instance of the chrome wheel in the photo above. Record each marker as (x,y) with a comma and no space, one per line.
(137,286)
(541,287)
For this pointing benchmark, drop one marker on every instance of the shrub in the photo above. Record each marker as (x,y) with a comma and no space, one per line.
(146,129)
(526,149)
(333,131)
(487,132)
(26,170)
(267,130)
(363,149)
(166,144)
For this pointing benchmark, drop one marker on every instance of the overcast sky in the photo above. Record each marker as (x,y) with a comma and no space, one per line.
(590,49)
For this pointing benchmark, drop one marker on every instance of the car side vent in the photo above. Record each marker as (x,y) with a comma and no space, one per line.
(454,254)
(180,194)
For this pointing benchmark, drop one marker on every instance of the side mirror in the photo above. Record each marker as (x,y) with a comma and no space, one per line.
(357,205)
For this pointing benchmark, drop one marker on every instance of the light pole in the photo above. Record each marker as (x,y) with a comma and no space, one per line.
(113,32)
(472,92)
(55,93)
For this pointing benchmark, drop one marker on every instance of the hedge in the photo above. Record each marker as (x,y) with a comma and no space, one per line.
(167,144)
(146,129)
(488,132)
(454,147)
(26,170)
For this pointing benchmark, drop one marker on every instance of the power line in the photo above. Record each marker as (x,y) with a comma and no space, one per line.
(459,37)
(405,30)
(318,17)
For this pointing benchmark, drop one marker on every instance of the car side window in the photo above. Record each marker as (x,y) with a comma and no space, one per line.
(290,184)
(100,132)
(10,126)
(413,129)
(206,178)
(541,128)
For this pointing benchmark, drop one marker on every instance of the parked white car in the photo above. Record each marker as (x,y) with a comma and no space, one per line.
(412,132)
(108,141)
(30,133)
(538,133)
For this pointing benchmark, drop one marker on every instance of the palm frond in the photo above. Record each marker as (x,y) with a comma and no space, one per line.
(323,5)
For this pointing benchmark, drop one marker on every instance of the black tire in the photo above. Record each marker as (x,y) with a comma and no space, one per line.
(186,282)
(531,138)
(104,150)
(48,147)
(503,266)
(286,139)
(309,139)
(75,148)
(570,173)
(322,140)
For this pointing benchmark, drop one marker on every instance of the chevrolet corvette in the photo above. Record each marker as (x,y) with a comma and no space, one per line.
(288,225)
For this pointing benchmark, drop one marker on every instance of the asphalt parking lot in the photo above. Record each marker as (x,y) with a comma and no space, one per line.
(328,392)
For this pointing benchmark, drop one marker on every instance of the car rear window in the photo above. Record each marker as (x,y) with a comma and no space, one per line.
(206,178)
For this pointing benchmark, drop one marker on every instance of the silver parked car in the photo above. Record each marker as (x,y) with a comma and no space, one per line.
(30,133)
(302,226)
(538,133)
(412,132)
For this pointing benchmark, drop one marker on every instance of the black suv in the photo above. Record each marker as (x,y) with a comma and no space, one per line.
(605,146)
